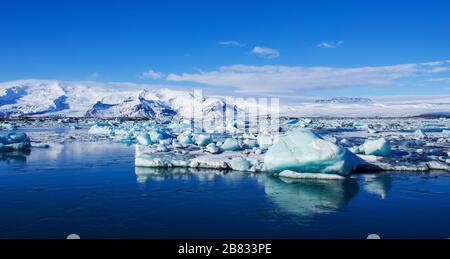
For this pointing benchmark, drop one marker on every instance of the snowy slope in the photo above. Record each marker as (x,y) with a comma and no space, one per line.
(58,98)
(78,99)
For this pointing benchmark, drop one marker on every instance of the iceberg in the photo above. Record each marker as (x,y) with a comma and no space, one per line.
(376,147)
(240,164)
(212,148)
(202,139)
(185,138)
(101,130)
(419,134)
(14,141)
(305,152)
(231,144)
(250,143)
(446,133)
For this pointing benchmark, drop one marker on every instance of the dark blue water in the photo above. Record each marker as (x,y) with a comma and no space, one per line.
(94,190)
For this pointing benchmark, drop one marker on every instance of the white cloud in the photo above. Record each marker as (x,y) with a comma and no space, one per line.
(151,74)
(330,44)
(265,52)
(439,79)
(286,79)
(231,43)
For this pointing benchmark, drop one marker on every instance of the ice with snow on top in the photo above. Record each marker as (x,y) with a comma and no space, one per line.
(296,175)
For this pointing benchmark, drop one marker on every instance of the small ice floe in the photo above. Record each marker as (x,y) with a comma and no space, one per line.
(185,138)
(419,134)
(292,121)
(436,165)
(202,139)
(239,164)
(14,141)
(230,144)
(377,147)
(9,126)
(360,126)
(212,148)
(40,145)
(303,151)
(250,143)
(446,133)
(99,129)
(317,176)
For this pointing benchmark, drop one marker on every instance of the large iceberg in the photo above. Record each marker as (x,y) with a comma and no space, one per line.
(303,151)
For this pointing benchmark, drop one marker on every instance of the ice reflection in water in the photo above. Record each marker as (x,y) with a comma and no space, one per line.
(309,197)
(17,156)
(300,197)
(378,184)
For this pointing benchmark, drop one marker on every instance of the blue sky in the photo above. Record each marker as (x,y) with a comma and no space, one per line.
(273,47)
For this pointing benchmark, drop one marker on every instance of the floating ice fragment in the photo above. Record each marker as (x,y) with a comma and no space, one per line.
(101,130)
(185,138)
(212,148)
(239,164)
(230,144)
(419,134)
(446,133)
(202,139)
(303,151)
(377,147)
(250,143)
(14,141)
(436,165)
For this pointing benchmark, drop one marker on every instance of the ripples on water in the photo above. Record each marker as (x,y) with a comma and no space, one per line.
(94,190)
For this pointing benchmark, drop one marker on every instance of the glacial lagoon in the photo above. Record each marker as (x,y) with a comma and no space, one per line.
(93,189)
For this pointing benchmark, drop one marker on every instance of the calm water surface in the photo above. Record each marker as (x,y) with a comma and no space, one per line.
(94,190)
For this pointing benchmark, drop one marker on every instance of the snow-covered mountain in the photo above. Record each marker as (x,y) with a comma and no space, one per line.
(58,98)
(107,100)
(344,100)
